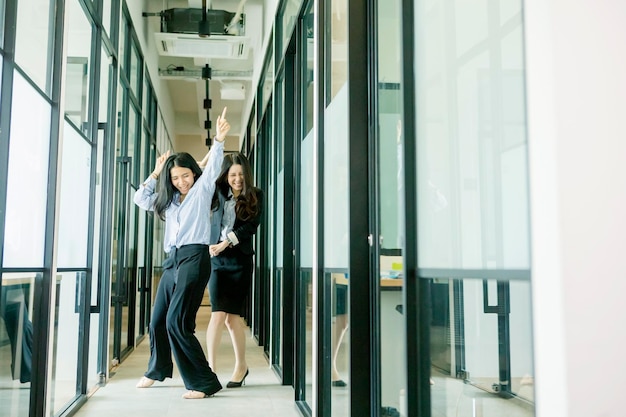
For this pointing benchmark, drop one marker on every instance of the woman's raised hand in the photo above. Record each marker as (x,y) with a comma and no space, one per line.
(158,166)
(222,126)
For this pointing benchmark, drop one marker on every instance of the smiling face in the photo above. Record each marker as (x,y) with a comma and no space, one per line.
(182,179)
(236,179)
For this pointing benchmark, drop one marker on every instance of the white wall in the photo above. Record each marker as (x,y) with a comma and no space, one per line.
(576,69)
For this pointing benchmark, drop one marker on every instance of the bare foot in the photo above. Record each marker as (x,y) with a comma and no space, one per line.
(145,382)
(194,395)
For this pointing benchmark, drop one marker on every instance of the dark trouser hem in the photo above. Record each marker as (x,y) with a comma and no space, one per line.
(214,388)
(156,376)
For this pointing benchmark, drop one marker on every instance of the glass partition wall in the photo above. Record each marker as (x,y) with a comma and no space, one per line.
(389,191)
(56,233)
(446,214)
(72,300)
(336,210)
(468,158)
(306,203)
(24,247)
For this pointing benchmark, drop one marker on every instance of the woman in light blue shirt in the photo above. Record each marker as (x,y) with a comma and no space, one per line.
(183,196)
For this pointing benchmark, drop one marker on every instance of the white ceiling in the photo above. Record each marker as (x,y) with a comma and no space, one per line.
(187,89)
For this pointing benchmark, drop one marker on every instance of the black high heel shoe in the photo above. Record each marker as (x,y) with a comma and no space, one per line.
(232,384)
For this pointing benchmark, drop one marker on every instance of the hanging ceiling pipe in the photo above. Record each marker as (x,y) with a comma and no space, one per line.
(204,29)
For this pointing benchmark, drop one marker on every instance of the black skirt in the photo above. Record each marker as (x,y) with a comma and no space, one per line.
(229,286)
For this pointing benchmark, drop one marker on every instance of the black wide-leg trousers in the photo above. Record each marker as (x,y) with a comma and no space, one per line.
(172,328)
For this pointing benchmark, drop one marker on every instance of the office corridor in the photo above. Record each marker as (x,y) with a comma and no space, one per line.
(261,396)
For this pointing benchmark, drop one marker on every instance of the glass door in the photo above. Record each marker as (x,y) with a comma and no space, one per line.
(124,277)
(389,157)
(336,211)
(304,151)
(467,137)
(276,234)
(145,261)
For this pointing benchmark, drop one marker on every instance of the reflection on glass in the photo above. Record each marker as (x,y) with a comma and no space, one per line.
(268,80)
(72,252)
(124,41)
(471,146)
(77,72)
(93,331)
(147,102)
(391,194)
(117,258)
(477,349)
(250,134)
(106,16)
(336,210)
(2,5)
(33,38)
(143,159)
(74,201)
(133,150)
(308,53)
(280,214)
(105,73)
(135,71)
(306,255)
(28,158)
(16,342)
(473,204)
(144,243)
(308,309)
(130,270)
(338,47)
(65,341)
(289,18)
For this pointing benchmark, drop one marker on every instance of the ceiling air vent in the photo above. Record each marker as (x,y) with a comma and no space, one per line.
(193,46)
(221,22)
(179,34)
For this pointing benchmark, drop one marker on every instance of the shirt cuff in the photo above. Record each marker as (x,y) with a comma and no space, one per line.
(149,181)
(232,238)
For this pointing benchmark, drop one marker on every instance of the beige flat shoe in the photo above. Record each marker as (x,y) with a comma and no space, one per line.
(194,395)
(145,382)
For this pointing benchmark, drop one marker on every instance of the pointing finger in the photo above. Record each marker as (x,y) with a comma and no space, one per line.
(224,112)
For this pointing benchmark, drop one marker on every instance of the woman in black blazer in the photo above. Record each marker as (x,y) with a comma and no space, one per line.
(235,215)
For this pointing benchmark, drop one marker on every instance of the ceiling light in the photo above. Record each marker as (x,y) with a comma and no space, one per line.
(233,91)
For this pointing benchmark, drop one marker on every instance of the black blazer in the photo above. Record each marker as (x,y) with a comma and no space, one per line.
(244,230)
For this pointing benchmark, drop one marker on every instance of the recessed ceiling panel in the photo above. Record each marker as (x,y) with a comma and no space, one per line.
(216,46)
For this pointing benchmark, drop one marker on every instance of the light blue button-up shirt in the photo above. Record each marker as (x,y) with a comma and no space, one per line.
(229,216)
(188,222)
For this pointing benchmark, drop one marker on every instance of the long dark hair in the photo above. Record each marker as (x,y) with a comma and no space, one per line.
(166,188)
(247,206)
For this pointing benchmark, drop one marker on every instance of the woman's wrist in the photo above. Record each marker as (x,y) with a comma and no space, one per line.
(155,176)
